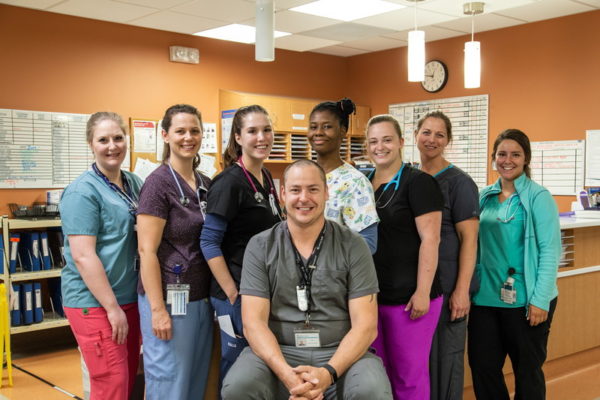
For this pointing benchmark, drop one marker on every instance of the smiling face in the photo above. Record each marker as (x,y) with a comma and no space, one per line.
(184,136)
(325,133)
(510,160)
(109,145)
(304,194)
(383,144)
(256,136)
(432,138)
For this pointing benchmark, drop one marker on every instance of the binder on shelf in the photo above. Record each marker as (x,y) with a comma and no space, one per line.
(29,251)
(56,246)
(45,251)
(15,309)
(38,311)
(54,290)
(27,303)
(2,254)
(14,239)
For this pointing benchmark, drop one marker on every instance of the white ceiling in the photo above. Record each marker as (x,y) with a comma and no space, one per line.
(440,19)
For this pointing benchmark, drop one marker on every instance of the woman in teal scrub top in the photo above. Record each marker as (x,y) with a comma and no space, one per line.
(100,278)
(518,256)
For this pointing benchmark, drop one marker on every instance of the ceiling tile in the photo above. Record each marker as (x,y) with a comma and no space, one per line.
(223,10)
(376,43)
(105,10)
(291,21)
(176,22)
(285,4)
(593,3)
(341,51)
(158,4)
(346,31)
(38,4)
(550,9)
(483,22)
(431,33)
(404,19)
(302,43)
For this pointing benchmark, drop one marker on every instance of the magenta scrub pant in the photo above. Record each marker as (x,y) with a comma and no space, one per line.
(404,345)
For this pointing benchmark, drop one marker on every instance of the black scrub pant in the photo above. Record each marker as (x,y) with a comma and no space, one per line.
(496,332)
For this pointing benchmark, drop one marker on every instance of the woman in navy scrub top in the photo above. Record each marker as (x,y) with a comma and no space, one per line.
(176,317)
(242,202)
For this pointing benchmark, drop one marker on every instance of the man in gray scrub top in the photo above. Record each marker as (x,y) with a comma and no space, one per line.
(309,305)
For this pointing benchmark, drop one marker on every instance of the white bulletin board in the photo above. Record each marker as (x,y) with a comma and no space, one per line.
(42,149)
(559,165)
(469,146)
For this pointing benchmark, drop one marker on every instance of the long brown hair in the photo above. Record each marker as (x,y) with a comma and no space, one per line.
(234,150)
(167,119)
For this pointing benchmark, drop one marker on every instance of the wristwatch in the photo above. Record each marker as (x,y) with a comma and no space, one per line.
(332,372)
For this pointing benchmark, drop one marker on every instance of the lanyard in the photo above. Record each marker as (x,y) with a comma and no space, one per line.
(395,180)
(126,195)
(306,270)
(258,196)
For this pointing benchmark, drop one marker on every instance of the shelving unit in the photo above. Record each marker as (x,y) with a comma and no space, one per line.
(8,225)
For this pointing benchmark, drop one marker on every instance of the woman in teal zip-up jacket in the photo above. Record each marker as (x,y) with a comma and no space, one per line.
(518,256)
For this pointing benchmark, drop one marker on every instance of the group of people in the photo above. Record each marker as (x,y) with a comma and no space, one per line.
(349,286)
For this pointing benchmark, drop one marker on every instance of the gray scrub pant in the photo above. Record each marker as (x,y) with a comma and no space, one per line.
(446,361)
(251,378)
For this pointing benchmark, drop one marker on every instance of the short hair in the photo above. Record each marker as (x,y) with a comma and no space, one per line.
(100,116)
(385,118)
(305,163)
(440,115)
(234,150)
(521,138)
(167,120)
(340,109)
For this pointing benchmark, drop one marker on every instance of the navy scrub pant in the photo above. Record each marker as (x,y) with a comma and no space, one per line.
(496,332)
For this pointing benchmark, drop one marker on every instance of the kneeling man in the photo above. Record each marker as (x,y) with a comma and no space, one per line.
(309,305)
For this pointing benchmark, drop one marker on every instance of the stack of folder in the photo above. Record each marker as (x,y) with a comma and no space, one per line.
(27,306)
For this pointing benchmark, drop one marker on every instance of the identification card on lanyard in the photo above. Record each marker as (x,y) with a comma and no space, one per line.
(307,336)
(178,294)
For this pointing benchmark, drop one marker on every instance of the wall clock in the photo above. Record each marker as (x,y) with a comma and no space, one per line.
(436,76)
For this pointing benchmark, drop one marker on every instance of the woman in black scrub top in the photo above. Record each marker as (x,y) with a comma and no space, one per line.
(242,202)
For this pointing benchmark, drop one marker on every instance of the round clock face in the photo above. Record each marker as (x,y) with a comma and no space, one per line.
(436,76)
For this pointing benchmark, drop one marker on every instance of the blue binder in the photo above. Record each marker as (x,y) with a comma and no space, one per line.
(15,311)
(15,238)
(38,311)
(45,251)
(27,303)
(2,254)
(29,251)
(56,243)
(54,290)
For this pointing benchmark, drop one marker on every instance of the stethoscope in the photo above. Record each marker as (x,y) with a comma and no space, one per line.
(183,199)
(258,196)
(395,181)
(506,218)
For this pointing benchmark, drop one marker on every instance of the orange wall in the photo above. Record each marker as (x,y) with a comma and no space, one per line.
(543,78)
(54,62)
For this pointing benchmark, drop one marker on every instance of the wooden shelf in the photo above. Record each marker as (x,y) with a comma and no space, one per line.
(32,224)
(33,275)
(48,322)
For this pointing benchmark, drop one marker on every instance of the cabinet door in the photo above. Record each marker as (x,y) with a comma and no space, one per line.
(300,113)
(358,123)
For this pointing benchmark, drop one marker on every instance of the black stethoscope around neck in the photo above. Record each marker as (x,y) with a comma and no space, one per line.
(395,181)
(183,199)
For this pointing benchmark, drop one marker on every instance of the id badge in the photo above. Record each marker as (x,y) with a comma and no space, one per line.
(178,296)
(302,298)
(508,294)
(307,337)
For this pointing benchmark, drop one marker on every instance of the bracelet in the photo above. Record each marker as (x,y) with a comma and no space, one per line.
(332,372)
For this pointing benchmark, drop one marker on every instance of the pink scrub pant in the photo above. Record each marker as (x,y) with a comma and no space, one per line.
(112,367)
(404,346)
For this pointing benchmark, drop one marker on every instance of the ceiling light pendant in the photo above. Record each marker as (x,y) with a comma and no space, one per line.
(416,52)
(472,49)
(265,28)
